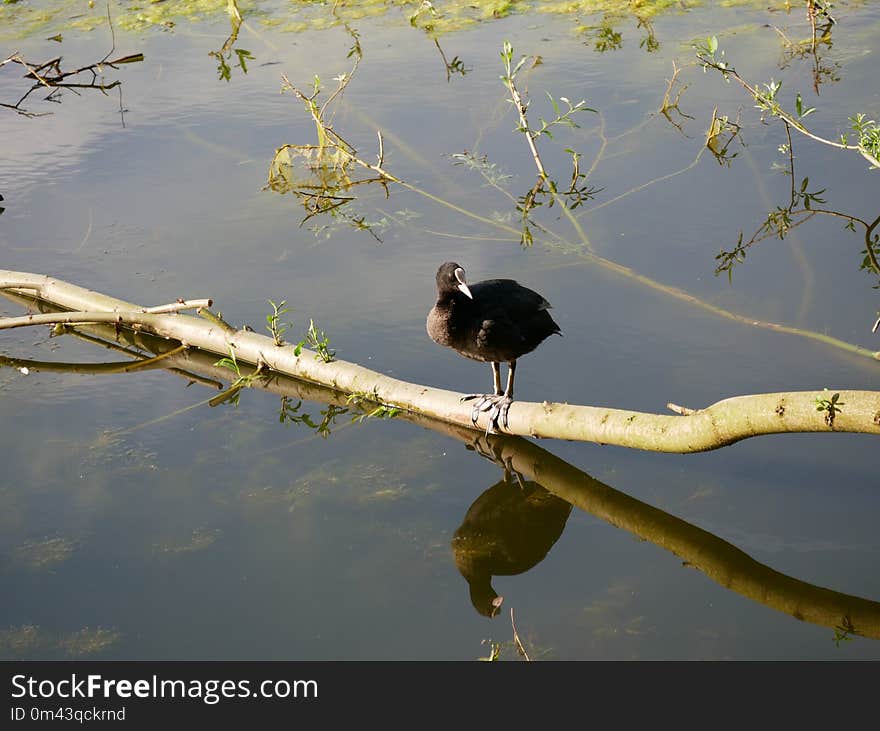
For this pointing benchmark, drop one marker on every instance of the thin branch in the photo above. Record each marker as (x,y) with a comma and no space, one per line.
(668,106)
(192,304)
(119,318)
(524,125)
(869,244)
(811,14)
(516,641)
(70,318)
(50,75)
(790,163)
(778,111)
(112,36)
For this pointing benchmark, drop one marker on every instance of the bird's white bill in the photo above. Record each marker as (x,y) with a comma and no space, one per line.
(462,284)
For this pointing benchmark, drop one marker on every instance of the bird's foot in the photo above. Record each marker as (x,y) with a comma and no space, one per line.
(511,474)
(496,405)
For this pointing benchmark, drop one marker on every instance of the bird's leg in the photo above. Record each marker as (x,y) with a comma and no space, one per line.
(512,472)
(502,406)
(486,402)
(492,449)
(497,404)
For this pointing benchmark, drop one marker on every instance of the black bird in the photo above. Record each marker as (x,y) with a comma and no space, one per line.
(493,321)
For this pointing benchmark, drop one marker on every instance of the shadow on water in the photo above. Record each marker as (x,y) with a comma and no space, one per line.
(512,525)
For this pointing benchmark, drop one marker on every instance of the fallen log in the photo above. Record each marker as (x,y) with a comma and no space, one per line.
(692,430)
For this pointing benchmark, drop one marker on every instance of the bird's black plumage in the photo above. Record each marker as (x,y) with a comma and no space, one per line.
(497,320)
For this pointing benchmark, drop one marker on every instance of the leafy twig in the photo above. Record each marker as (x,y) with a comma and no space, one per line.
(766,100)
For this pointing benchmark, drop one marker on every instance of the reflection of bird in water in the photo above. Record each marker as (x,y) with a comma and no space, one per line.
(506,531)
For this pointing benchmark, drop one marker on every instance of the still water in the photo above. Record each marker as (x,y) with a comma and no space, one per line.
(139,522)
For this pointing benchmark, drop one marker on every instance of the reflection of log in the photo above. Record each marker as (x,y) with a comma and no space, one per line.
(721,561)
(723,423)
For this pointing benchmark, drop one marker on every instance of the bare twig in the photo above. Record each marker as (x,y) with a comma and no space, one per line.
(180,305)
(112,36)
(869,245)
(811,14)
(50,75)
(524,124)
(121,318)
(669,106)
(516,641)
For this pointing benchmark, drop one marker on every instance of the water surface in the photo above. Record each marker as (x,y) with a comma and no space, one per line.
(134,527)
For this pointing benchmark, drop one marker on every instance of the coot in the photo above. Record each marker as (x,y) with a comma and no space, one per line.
(493,321)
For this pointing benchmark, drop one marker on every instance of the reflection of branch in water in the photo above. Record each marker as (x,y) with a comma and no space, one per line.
(417,20)
(140,364)
(519,645)
(225,52)
(720,135)
(51,76)
(715,557)
(649,42)
(290,414)
(455,66)
(669,105)
(603,36)
(325,177)
(801,208)
(801,49)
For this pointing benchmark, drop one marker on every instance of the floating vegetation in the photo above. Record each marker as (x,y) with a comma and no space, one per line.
(198,540)
(88,641)
(29,641)
(20,641)
(20,20)
(38,555)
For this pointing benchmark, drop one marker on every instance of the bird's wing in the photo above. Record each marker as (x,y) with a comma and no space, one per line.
(498,330)
(508,295)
